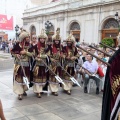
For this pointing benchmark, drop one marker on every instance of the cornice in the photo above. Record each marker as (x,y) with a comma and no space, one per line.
(64,7)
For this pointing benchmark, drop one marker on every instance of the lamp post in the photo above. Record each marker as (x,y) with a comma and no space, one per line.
(16,29)
(48,24)
(117,18)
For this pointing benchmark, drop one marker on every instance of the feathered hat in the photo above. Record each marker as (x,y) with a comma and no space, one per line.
(43,35)
(56,36)
(23,35)
(71,38)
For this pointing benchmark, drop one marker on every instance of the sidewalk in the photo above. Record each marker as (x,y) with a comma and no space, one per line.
(6,61)
(78,106)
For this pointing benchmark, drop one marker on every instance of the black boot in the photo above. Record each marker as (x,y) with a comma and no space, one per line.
(97,90)
(74,85)
(24,94)
(85,89)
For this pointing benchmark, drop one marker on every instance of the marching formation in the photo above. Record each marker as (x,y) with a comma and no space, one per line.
(40,64)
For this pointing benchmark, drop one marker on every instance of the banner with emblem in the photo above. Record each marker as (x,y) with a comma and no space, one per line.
(111,96)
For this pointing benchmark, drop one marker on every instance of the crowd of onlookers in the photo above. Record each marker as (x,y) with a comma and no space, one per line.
(7,45)
(89,62)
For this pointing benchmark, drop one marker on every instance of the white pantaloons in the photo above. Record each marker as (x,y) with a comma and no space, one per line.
(67,86)
(37,88)
(19,89)
(54,87)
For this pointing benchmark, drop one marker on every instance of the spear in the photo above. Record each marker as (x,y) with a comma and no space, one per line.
(56,76)
(107,46)
(93,55)
(71,77)
(99,50)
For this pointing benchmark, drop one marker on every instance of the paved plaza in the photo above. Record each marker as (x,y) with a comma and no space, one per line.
(78,106)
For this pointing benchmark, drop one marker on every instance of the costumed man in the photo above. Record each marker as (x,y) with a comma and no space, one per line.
(40,69)
(56,60)
(33,46)
(71,54)
(22,53)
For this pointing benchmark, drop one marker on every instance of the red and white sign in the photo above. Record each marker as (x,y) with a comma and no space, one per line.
(6,22)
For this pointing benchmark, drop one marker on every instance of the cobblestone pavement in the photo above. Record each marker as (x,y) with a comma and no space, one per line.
(78,106)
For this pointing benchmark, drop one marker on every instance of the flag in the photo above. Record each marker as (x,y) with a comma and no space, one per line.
(111,95)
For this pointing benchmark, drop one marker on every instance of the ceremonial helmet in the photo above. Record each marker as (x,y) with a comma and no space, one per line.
(24,34)
(70,38)
(43,35)
(56,36)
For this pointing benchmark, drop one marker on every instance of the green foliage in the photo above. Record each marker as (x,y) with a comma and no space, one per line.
(108,41)
(119,28)
(47,32)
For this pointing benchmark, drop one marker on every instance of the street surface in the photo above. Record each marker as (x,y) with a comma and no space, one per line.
(78,106)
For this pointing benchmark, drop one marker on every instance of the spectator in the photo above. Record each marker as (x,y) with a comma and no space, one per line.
(103,57)
(10,45)
(84,56)
(77,42)
(78,64)
(6,46)
(92,67)
(3,46)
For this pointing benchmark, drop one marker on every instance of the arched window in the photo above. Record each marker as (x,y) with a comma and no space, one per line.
(111,23)
(110,29)
(75,26)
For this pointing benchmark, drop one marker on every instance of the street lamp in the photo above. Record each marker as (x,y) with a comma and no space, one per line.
(48,25)
(16,29)
(117,17)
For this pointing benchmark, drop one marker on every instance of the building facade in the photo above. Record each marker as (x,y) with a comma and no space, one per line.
(90,20)
(3,36)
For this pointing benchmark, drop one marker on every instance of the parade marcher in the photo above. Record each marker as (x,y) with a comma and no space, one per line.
(71,54)
(40,70)
(22,53)
(56,60)
(33,46)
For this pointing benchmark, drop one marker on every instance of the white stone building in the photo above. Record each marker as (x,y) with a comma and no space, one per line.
(90,20)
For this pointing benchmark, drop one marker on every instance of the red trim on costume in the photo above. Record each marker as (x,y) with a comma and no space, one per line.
(39,45)
(54,49)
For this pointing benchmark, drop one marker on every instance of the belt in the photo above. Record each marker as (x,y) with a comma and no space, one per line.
(24,63)
(40,63)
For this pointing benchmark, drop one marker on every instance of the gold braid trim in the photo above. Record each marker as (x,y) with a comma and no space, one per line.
(66,67)
(54,69)
(36,71)
(16,67)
